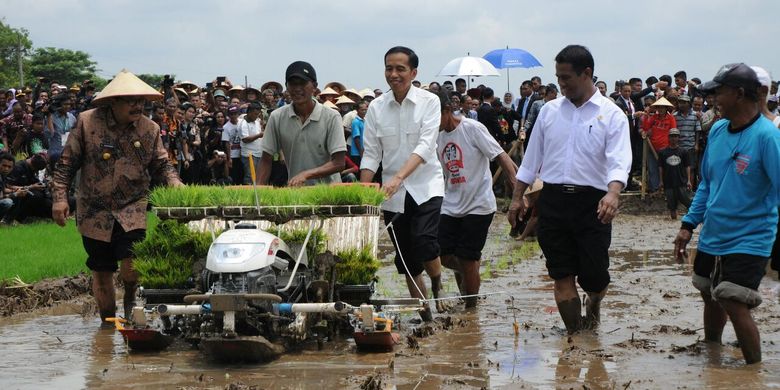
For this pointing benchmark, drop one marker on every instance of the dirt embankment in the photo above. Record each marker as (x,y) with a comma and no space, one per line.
(24,298)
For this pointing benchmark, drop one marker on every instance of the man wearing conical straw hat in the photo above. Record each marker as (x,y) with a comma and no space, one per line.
(119,151)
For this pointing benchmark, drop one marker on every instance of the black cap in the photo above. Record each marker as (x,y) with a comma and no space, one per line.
(733,75)
(302,70)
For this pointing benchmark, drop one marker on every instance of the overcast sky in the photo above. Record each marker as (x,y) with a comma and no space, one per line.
(345,40)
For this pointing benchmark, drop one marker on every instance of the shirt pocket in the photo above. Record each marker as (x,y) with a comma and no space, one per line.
(593,138)
(412,135)
(388,137)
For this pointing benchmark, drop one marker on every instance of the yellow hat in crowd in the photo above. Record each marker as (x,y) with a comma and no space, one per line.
(127,84)
(662,102)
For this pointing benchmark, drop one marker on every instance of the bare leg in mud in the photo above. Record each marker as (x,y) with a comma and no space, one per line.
(593,309)
(714,319)
(569,304)
(451,262)
(105,296)
(745,328)
(433,269)
(420,282)
(471,281)
(129,277)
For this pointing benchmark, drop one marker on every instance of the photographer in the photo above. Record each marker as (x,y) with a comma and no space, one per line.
(13,125)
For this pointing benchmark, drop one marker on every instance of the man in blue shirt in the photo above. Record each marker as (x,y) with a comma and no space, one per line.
(736,202)
(358,124)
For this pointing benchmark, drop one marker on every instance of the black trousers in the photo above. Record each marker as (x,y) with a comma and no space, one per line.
(573,240)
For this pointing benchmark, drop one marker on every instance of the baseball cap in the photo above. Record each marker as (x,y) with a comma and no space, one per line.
(234,109)
(674,131)
(764,78)
(219,93)
(301,69)
(683,98)
(773,98)
(733,75)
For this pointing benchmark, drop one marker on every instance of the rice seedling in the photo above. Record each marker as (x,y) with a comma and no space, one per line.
(358,266)
(165,257)
(213,196)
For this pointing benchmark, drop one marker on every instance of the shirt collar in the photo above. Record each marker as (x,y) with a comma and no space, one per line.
(315,114)
(410,96)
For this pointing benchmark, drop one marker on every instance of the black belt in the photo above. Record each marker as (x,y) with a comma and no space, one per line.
(570,188)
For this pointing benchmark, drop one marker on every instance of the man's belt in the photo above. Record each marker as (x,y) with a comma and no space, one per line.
(570,188)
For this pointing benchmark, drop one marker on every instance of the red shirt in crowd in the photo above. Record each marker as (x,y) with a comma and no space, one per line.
(657,128)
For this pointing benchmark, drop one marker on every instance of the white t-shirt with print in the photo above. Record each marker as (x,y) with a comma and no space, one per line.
(232,135)
(465,154)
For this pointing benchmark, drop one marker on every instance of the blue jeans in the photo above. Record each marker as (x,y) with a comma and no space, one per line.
(653,175)
(5,207)
(247,172)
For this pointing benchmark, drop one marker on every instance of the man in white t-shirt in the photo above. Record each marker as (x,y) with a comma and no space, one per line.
(231,137)
(465,149)
(251,133)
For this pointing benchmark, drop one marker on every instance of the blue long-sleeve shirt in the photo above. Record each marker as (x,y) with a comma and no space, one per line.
(737,197)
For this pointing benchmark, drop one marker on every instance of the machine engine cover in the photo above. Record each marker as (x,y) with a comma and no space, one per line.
(245,250)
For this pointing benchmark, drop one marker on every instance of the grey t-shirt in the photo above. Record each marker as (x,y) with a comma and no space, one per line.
(305,145)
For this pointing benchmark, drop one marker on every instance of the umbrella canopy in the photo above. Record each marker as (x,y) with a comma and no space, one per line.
(468,66)
(511,58)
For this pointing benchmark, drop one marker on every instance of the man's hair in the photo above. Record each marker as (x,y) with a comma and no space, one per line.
(651,80)
(362,103)
(444,100)
(414,61)
(460,81)
(601,82)
(666,78)
(487,93)
(38,160)
(38,116)
(186,106)
(254,106)
(7,156)
(536,78)
(577,56)
(170,100)
(634,80)
(527,83)
(681,74)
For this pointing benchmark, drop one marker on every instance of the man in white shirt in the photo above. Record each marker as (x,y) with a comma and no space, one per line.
(400,132)
(580,149)
(251,146)
(231,137)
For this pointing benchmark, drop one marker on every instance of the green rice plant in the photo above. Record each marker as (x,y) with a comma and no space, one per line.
(165,257)
(213,196)
(358,266)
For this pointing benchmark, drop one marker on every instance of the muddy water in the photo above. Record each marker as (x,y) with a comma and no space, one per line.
(648,338)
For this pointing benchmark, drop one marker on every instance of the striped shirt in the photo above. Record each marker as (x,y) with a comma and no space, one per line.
(689,125)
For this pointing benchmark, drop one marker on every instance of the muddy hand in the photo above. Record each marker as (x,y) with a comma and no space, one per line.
(680,244)
(516,209)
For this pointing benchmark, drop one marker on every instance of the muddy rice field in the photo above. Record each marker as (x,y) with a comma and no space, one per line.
(649,337)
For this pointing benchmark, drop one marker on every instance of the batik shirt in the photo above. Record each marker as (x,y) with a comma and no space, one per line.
(117,165)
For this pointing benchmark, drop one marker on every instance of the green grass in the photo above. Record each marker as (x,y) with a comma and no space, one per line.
(44,250)
(358,266)
(165,257)
(211,196)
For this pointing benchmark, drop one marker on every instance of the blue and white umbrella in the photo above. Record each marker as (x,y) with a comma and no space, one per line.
(511,58)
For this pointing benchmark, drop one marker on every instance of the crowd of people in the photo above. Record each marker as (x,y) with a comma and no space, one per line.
(437,149)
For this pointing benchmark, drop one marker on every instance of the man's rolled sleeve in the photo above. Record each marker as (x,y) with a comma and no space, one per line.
(532,161)
(426,146)
(372,151)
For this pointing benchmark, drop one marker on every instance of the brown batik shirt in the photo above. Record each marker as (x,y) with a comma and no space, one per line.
(116,168)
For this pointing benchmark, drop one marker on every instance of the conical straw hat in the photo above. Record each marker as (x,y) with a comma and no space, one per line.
(344,100)
(330,104)
(662,102)
(127,84)
(329,91)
